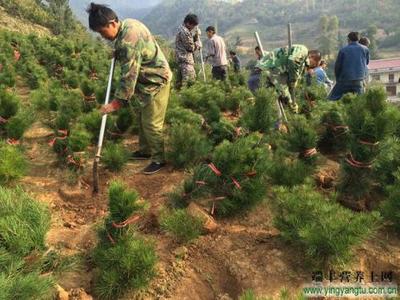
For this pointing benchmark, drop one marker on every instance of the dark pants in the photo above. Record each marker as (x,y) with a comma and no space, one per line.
(219,72)
(342,88)
(254,81)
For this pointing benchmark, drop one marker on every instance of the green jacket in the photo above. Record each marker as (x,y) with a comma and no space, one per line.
(280,61)
(144,68)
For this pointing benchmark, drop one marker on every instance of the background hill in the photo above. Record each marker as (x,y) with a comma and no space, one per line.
(237,20)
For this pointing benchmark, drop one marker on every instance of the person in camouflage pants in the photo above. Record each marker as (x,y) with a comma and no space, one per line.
(283,69)
(186,43)
(145,77)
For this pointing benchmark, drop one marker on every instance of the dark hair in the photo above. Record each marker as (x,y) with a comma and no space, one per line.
(232,52)
(210,28)
(323,62)
(315,54)
(354,36)
(257,48)
(191,19)
(100,16)
(365,41)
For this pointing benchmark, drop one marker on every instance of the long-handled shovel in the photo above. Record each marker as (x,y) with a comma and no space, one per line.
(203,69)
(101,135)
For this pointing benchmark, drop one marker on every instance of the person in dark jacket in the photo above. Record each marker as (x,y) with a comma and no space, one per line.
(350,68)
(235,61)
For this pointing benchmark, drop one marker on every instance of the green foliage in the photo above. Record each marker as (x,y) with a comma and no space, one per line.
(23,222)
(123,203)
(387,161)
(127,265)
(31,286)
(391,207)
(325,230)
(222,130)
(18,124)
(335,136)
(370,120)
(286,170)
(263,114)
(114,157)
(237,96)
(13,164)
(182,115)
(182,225)
(79,139)
(186,145)
(241,182)
(302,138)
(9,104)
(125,119)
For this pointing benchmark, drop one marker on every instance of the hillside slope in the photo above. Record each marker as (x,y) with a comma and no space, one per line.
(241,18)
(12,23)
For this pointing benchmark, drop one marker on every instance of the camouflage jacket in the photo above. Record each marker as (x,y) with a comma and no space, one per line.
(280,61)
(184,46)
(144,68)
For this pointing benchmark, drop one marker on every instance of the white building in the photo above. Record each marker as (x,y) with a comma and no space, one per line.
(387,72)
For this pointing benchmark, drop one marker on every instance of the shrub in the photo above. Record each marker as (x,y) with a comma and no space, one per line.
(182,225)
(336,134)
(18,124)
(325,230)
(237,176)
(369,121)
(387,161)
(129,264)
(182,115)
(114,157)
(186,145)
(23,222)
(12,163)
(9,104)
(263,114)
(222,130)
(391,206)
(123,203)
(302,139)
(286,170)
(237,96)
(79,139)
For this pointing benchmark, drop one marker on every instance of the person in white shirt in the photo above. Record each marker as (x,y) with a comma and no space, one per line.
(216,54)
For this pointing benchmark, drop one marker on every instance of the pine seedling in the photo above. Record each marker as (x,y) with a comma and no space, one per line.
(18,124)
(186,145)
(9,104)
(336,134)
(303,139)
(127,265)
(322,228)
(180,115)
(387,161)
(183,226)
(391,206)
(236,176)
(222,130)
(114,157)
(123,204)
(263,114)
(286,170)
(13,164)
(24,222)
(369,121)
(79,139)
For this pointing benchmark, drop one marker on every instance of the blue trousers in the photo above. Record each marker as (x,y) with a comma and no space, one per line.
(342,88)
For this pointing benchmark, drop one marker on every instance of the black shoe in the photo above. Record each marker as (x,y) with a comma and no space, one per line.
(137,155)
(153,168)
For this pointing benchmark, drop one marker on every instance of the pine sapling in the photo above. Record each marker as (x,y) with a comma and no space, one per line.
(114,157)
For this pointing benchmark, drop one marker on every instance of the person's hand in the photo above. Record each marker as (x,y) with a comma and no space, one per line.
(111,107)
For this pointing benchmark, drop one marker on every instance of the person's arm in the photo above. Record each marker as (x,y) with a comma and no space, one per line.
(367,56)
(130,58)
(339,64)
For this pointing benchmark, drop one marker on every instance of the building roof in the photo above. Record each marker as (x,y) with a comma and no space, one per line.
(389,63)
